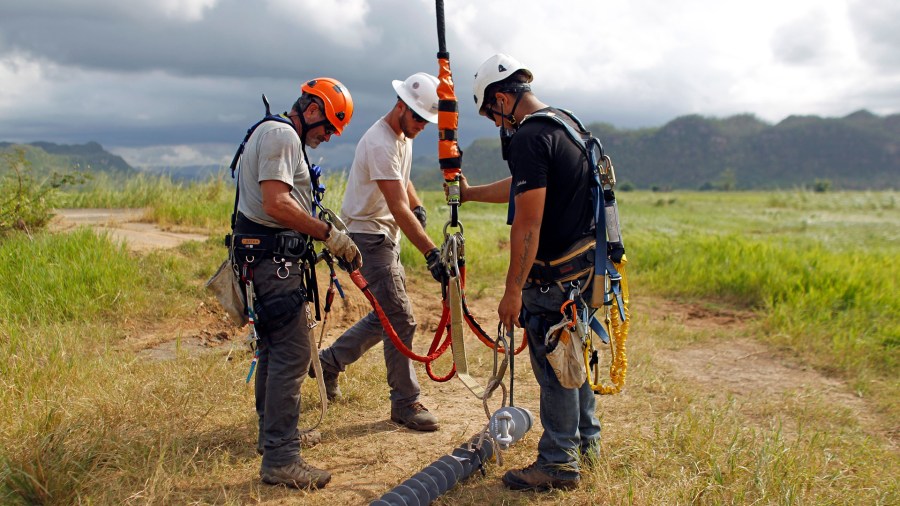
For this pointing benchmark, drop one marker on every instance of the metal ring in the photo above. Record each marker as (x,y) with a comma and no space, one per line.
(458,225)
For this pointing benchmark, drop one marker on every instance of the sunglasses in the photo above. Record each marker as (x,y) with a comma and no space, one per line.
(487,110)
(416,117)
(330,129)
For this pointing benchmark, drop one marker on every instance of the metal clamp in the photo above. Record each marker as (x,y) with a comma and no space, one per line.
(607,172)
(327,215)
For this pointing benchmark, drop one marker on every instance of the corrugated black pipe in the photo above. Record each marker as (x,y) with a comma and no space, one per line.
(507,426)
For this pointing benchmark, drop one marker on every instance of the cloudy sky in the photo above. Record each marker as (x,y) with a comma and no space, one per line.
(177,82)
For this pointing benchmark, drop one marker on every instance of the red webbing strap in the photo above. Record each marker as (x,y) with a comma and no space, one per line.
(443,326)
(476,327)
(363,285)
(437,347)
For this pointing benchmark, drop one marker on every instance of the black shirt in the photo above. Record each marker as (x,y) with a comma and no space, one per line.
(542,155)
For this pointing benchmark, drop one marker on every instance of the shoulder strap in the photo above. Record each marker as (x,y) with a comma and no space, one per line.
(581,137)
(593,150)
(240,151)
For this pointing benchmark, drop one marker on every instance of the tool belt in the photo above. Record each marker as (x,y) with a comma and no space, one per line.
(575,263)
(253,242)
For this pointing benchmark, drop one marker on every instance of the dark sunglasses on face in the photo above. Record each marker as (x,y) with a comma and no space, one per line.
(488,110)
(416,117)
(330,129)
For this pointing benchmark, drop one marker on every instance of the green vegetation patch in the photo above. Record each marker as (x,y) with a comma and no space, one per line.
(55,278)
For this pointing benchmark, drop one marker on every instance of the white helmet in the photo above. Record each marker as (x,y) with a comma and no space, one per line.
(419,92)
(495,69)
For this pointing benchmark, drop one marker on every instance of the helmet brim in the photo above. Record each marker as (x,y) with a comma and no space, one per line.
(410,101)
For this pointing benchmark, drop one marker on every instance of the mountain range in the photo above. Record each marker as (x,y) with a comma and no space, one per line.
(858,151)
(91,157)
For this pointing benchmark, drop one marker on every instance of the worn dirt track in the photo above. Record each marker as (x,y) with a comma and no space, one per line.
(723,363)
(125,225)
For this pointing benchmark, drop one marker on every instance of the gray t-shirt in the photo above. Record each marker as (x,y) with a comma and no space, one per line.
(380,155)
(272,153)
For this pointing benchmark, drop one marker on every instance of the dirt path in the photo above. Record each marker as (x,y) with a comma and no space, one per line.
(123,225)
(722,362)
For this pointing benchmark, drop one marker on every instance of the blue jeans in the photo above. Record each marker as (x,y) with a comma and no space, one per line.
(387,282)
(570,425)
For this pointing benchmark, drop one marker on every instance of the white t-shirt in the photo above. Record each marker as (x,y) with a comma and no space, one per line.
(380,155)
(272,153)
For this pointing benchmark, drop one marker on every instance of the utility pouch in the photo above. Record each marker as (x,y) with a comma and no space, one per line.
(275,312)
(575,263)
(564,353)
(251,248)
(227,288)
(291,245)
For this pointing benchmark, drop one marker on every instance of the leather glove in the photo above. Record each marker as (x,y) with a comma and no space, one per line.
(433,259)
(419,211)
(341,246)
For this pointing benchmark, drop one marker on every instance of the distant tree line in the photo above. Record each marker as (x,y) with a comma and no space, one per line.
(858,151)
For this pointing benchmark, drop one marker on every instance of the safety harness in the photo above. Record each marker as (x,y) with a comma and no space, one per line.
(610,290)
(250,243)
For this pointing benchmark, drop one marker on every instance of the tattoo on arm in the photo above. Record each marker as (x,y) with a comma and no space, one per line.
(520,277)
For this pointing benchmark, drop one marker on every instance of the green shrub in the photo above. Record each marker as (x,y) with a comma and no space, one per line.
(26,202)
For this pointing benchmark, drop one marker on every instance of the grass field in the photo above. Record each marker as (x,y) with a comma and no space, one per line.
(85,421)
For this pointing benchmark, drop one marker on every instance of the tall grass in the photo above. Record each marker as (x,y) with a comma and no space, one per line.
(843,308)
(74,408)
(821,268)
(59,278)
(706,452)
(205,204)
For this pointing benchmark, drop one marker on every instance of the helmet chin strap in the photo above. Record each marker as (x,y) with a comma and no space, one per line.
(306,128)
(506,134)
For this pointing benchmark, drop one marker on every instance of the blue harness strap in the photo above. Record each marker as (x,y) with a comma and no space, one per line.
(593,150)
(315,172)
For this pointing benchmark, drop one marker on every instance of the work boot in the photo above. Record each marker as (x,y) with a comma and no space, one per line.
(297,474)
(532,478)
(332,390)
(415,417)
(308,439)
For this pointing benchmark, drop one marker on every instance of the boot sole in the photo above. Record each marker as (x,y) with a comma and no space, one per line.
(412,426)
(523,486)
(269,480)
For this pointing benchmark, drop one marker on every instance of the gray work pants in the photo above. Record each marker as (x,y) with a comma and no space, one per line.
(387,282)
(284,359)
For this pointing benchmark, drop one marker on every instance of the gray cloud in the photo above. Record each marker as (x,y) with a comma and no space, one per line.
(803,41)
(875,24)
(233,39)
(147,74)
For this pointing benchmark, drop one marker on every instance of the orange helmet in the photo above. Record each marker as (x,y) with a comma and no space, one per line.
(337,99)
